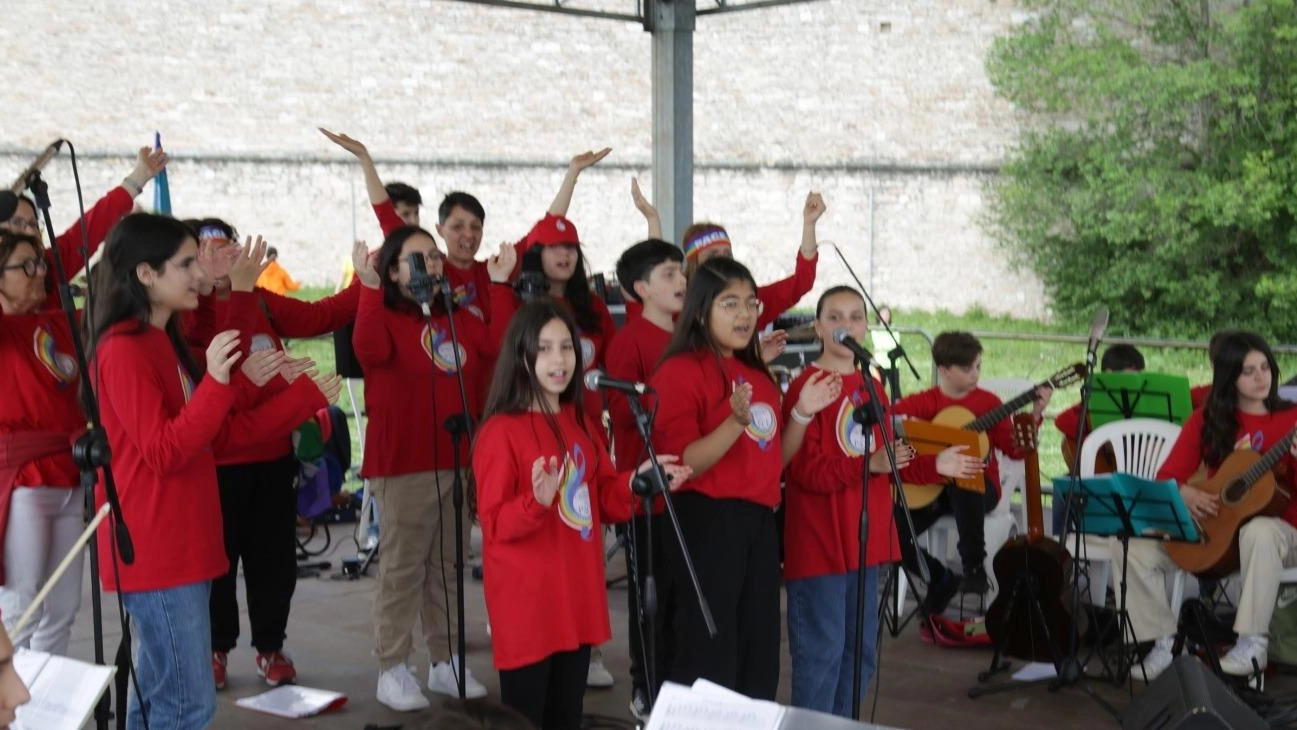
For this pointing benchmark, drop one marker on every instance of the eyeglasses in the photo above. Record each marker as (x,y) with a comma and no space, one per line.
(23,224)
(733,305)
(30,267)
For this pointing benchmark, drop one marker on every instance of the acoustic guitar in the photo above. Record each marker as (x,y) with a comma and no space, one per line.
(1027,568)
(958,418)
(1247,488)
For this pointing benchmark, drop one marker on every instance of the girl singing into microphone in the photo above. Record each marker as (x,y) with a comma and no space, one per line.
(545,486)
(411,389)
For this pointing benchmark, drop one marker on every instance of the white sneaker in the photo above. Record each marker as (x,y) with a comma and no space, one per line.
(598,675)
(1157,659)
(398,689)
(441,679)
(1238,661)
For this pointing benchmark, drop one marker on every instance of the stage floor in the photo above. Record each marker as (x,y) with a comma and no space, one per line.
(331,639)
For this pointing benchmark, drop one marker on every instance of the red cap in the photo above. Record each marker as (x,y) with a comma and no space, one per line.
(552,230)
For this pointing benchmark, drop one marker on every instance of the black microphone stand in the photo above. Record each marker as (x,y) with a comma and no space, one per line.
(867,418)
(91,451)
(460,427)
(647,485)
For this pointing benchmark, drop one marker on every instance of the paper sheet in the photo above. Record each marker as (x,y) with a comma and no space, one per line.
(64,691)
(293,702)
(706,706)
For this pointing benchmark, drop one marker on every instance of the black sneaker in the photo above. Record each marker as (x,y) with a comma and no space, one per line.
(975,581)
(639,705)
(940,593)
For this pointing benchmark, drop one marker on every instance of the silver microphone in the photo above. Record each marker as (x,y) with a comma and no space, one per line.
(40,162)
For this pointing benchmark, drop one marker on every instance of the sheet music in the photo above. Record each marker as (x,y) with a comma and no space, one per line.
(64,691)
(705,706)
(293,702)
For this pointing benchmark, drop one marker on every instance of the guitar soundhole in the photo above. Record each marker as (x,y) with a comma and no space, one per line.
(1235,492)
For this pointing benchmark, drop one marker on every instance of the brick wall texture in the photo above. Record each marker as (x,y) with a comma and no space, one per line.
(882,105)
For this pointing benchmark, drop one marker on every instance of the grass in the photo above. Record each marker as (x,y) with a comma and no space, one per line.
(1031,358)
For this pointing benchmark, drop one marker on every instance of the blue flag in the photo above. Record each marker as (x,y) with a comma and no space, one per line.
(161,190)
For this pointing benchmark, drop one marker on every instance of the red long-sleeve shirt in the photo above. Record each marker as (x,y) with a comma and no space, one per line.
(262,318)
(163,432)
(823,496)
(1255,432)
(407,406)
(41,390)
(694,398)
(100,219)
(927,404)
(632,355)
(544,566)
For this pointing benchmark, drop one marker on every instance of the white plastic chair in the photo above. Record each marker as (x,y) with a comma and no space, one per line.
(1140,446)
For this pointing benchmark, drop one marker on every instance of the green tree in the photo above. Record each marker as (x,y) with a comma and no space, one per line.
(1156,172)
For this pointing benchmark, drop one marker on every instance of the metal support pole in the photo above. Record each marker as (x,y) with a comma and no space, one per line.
(672,24)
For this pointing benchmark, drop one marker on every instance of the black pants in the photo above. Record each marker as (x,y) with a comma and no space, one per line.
(551,692)
(736,553)
(663,620)
(969,509)
(259,510)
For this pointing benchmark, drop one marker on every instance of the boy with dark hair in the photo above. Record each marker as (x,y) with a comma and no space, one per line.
(958,357)
(405,200)
(652,273)
(1116,359)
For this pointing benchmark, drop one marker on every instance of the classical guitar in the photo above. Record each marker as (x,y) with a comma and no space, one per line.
(928,440)
(1247,488)
(1027,568)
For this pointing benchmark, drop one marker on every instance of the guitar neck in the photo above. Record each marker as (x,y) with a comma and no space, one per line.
(985,421)
(1268,460)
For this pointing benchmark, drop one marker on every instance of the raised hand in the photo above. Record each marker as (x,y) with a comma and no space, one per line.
(1043,394)
(216,261)
(820,390)
(365,265)
(330,386)
(148,163)
(544,480)
(248,265)
(813,209)
(773,345)
(587,159)
(260,367)
(222,354)
(354,146)
(641,203)
(741,404)
(501,265)
(954,463)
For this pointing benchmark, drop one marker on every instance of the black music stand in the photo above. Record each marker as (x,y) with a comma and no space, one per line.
(1122,396)
(1126,507)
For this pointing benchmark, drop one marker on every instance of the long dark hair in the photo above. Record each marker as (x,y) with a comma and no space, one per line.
(693,328)
(389,261)
(1220,412)
(514,387)
(118,294)
(576,291)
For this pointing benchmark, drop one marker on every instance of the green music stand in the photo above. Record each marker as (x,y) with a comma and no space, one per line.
(1121,396)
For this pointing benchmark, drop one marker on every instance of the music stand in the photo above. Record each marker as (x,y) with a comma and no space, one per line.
(1126,507)
(1122,396)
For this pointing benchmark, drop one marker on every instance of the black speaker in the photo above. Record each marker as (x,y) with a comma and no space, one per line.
(1189,697)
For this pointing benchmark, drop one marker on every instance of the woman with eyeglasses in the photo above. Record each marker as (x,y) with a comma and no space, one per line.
(18,215)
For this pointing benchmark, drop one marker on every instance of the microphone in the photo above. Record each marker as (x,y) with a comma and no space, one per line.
(596,379)
(842,337)
(420,283)
(40,162)
(1098,327)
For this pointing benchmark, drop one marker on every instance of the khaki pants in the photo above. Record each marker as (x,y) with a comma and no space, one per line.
(417,542)
(1267,545)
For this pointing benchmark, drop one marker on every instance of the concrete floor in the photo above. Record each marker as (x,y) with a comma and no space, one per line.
(331,637)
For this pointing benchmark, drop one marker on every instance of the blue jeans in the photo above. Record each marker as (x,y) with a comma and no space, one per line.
(174,661)
(821,639)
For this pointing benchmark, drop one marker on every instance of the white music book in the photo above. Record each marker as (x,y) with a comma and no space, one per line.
(64,690)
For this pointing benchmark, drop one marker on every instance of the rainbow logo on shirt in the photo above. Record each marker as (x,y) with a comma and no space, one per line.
(763,425)
(186,383)
(574,494)
(466,297)
(60,364)
(587,352)
(852,438)
(441,349)
(1250,441)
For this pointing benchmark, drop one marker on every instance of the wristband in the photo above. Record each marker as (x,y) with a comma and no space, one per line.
(131,186)
(799,418)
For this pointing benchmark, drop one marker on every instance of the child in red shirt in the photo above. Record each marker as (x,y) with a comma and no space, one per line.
(958,357)
(822,505)
(719,409)
(163,432)
(545,485)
